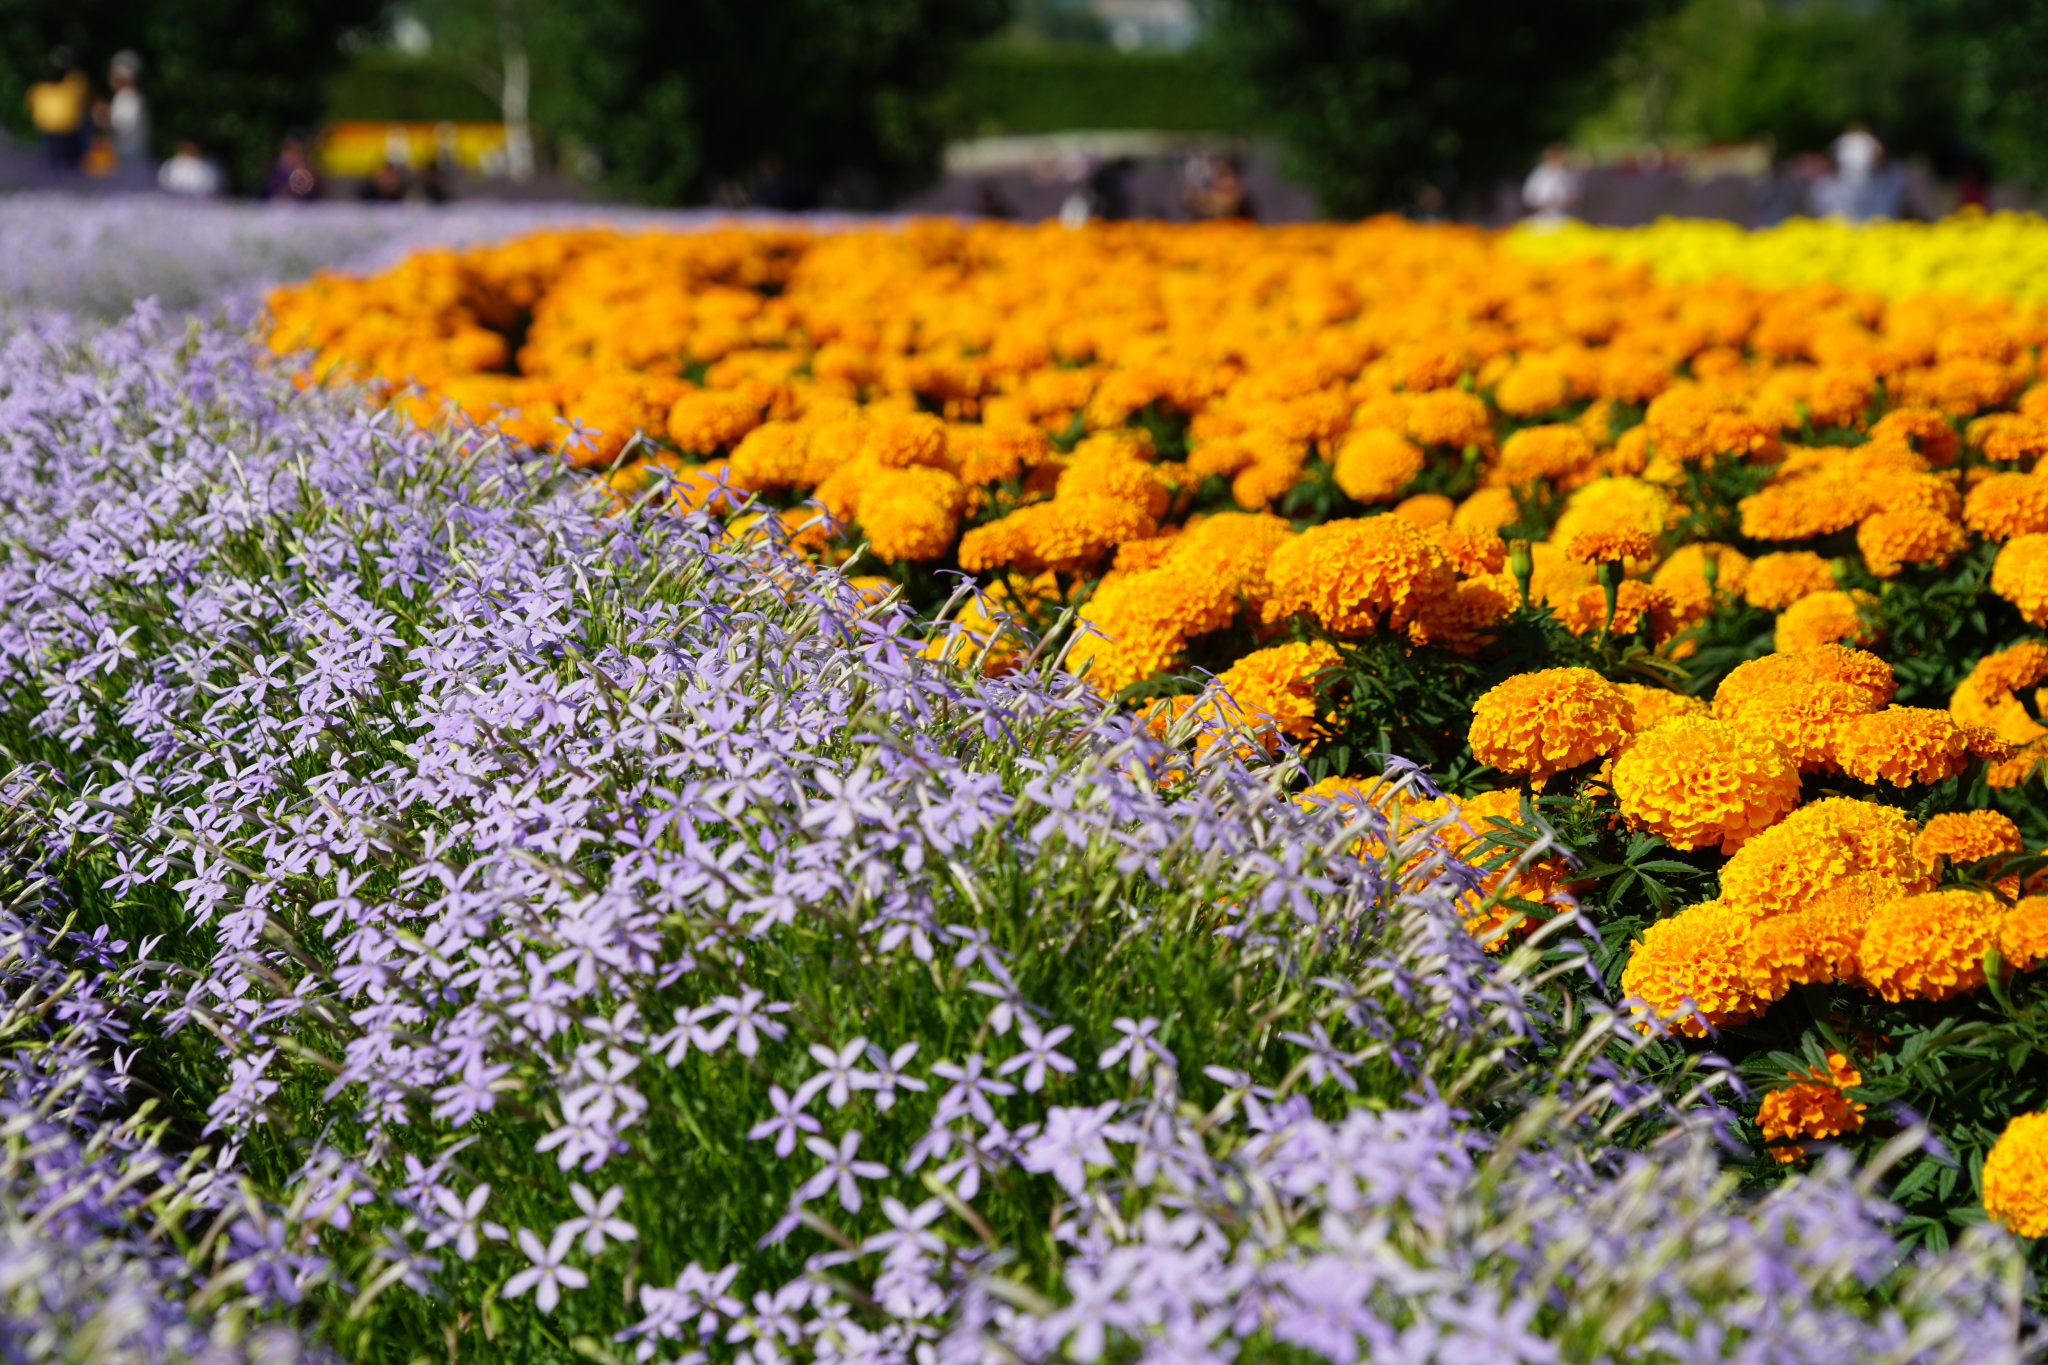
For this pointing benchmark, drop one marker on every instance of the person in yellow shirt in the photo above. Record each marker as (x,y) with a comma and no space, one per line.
(57,108)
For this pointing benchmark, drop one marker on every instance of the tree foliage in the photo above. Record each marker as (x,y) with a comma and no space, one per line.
(682,96)
(1385,103)
(234,74)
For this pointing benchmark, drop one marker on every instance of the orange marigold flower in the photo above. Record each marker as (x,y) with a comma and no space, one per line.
(1824,618)
(1813,1107)
(1277,686)
(1531,387)
(1989,697)
(1966,837)
(1426,509)
(1636,605)
(1607,547)
(2016,1176)
(1891,540)
(1870,676)
(2022,765)
(705,423)
(1460,618)
(1926,429)
(1700,954)
(1902,745)
(1683,576)
(1374,465)
(1698,781)
(1776,581)
(912,513)
(1803,716)
(1790,865)
(1930,946)
(1819,943)
(2020,576)
(2023,937)
(1489,509)
(1545,452)
(1544,722)
(1356,575)
(1615,505)
(1471,553)
(2006,505)
(1652,706)
(1449,417)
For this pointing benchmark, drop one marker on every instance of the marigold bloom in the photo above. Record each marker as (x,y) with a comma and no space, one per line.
(706,423)
(1542,723)
(1607,547)
(911,513)
(1776,581)
(1615,505)
(1929,946)
(1902,745)
(1449,417)
(1989,697)
(1532,387)
(1471,553)
(1543,452)
(1488,510)
(1813,1107)
(1698,782)
(1802,716)
(1375,465)
(2023,937)
(1891,540)
(1818,943)
(1966,837)
(2020,576)
(1355,576)
(1649,707)
(1682,576)
(1790,865)
(2007,505)
(1824,618)
(1929,431)
(2016,1176)
(1869,676)
(1700,954)
(1276,685)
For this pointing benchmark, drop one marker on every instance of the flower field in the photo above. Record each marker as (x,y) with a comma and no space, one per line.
(953,794)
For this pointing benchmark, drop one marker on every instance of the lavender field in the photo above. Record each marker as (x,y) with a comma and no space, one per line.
(442,920)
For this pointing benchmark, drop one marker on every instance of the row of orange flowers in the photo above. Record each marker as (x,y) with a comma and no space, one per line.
(1015,400)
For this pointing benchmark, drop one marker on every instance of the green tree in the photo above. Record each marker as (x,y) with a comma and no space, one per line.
(1993,56)
(235,74)
(1385,103)
(681,96)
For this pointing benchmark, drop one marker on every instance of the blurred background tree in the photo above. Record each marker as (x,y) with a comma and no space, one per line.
(1392,103)
(234,74)
(799,101)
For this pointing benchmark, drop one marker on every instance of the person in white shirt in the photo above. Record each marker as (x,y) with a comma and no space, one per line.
(128,111)
(1553,188)
(189,173)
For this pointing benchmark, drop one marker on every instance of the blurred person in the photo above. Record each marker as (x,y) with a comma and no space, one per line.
(430,186)
(128,110)
(99,158)
(1857,152)
(1109,189)
(58,107)
(292,179)
(189,173)
(1216,191)
(1552,190)
(387,186)
(991,202)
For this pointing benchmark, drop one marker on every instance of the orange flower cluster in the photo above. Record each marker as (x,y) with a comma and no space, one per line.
(1812,1107)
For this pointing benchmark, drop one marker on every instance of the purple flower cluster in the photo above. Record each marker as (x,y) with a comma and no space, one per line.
(546,890)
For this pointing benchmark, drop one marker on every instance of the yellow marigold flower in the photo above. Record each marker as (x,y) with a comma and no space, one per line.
(1929,946)
(1449,417)
(705,423)
(1682,576)
(1697,781)
(1652,706)
(1545,452)
(1902,745)
(1489,509)
(1277,686)
(1803,716)
(1776,581)
(1426,509)
(1374,465)
(1471,553)
(1615,505)
(1700,954)
(1966,837)
(911,513)
(2007,505)
(1891,540)
(2016,1176)
(2020,576)
(1636,605)
(1824,618)
(1928,431)
(1356,575)
(1607,547)
(2023,937)
(1868,675)
(1542,723)
(1811,1108)
(1790,865)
